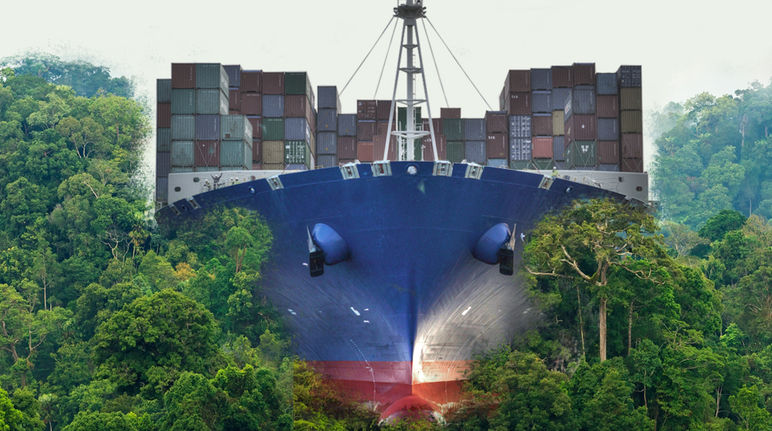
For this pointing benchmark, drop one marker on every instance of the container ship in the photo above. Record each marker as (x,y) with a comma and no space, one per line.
(396,236)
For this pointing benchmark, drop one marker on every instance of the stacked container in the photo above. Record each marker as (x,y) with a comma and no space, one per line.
(327,140)
(453,131)
(299,122)
(163,138)
(250,103)
(608,121)
(367,112)
(580,121)
(496,139)
(630,118)
(475,140)
(541,120)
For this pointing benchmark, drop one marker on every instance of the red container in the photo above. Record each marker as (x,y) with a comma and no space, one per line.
(442,146)
(632,165)
(381,127)
(163,115)
(450,112)
(365,151)
(251,81)
(520,103)
(207,154)
(257,150)
(347,147)
(608,152)
(496,145)
(541,125)
(234,101)
(562,76)
(542,147)
(367,110)
(365,130)
(382,110)
(495,122)
(518,80)
(183,75)
(584,74)
(581,128)
(632,146)
(296,105)
(257,126)
(257,166)
(436,122)
(378,143)
(251,103)
(273,83)
(607,106)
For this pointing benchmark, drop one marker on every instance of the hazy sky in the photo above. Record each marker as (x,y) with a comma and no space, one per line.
(684,46)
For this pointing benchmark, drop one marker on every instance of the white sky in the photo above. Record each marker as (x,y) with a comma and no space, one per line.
(684,46)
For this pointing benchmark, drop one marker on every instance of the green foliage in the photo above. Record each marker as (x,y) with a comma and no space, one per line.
(115,421)
(11,419)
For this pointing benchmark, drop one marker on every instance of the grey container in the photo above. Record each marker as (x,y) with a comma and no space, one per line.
(474,151)
(608,167)
(183,127)
(182,154)
(347,125)
(163,163)
(582,100)
(541,79)
(234,154)
(520,126)
(559,98)
(234,75)
(162,189)
(558,148)
(235,127)
(297,129)
(207,127)
(629,76)
(163,139)
(296,167)
(211,75)
(520,149)
(327,119)
(328,97)
(474,129)
(211,101)
(273,105)
(326,161)
(326,143)
(608,129)
(541,101)
(606,83)
(163,90)
(183,101)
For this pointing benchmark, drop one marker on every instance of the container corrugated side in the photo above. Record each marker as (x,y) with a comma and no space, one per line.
(630,99)
(207,127)
(606,83)
(542,147)
(235,127)
(474,151)
(273,152)
(326,161)
(252,103)
(347,147)
(562,76)
(558,148)
(163,116)
(582,154)
(632,145)
(273,83)
(327,120)
(347,125)
(560,97)
(207,154)
(234,101)
(496,145)
(163,139)
(541,125)
(163,90)
(453,129)
(541,79)
(183,75)
(581,127)
(365,130)
(496,122)
(520,126)
(519,103)
(582,100)
(326,143)
(474,129)
(454,113)
(367,110)
(211,101)
(328,97)
(629,76)
(365,151)
(251,81)
(518,80)
(295,105)
(273,106)
(558,123)
(383,109)
(584,74)
(235,154)
(257,151)
(162,189)
(631,122)
(541,101)
(608,129)
(163,163)
(608,152)
(632,165)
(520,149)
(456,151)
(296,83)
(234,75)
(257,126)
(182,154)
(211,75)
(297,129)
(183,101)
(183,127)
(607,106)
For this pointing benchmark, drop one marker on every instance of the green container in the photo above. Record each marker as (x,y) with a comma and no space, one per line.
(182,154)
(456,151)
(402,118)
(519,164)
(581,154)
(163,139)
(183,127)
(211,101)
(273,129)
(235,127)
(297,83)
(183,101)
(543,163)
(211,75)
(296,152)
(234,154)
(453,129)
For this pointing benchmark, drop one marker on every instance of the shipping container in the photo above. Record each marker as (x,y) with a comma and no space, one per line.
(178,169)
(234,75)
(163,90)
(326,161)
(541,125)
(562,77)
(273,152)
(328,97)
(163,115)
(454,113)
(630,99)
(558,148)
(542,147)
(629,76)
(543,164)
(456,151)
(365,130)
(518,80)
(296,167)
(234,101)
(183,127)
(496,145)
(207,153)
(453,129)
(382,127)
(497,163)
(383,108)
(442,148)
(327,121)
(296,152)
(631,165)
(607,106)
(520,149)
(520,126)
(582,101)
(235,154)
(581,128)
(559,98)
(474,151)
(235,127)
(273,83)
(541,101)
(207,127)
(326,143)
(296,105)
(632,146)
(257,151)
(347,125)
(541,79)
(297,129)
(608,129)
(474,129)
(367,110)
(251,81)
(610,167)
(211,101)
(608,152)
(163,163)
(273,166)
(298,83)
(163,139)
(182,154)
(495,122)
(212,76)
(519,103)
(365,151)
(347,147)
(379,144)
(581,154)
(273,105)
(183,75)
(402,118)
(631,122)
(257,126)
(252,103)
(584,74)
(162,189)
(520,164)
(183,101)
(606,83)
(558,123)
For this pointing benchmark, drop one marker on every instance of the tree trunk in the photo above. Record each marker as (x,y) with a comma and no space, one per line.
(602,328)
(630,328)
(718,399)
(581,324)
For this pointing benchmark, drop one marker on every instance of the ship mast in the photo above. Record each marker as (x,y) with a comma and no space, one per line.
(409,13)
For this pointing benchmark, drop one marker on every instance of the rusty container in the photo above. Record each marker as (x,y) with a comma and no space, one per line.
(183,75)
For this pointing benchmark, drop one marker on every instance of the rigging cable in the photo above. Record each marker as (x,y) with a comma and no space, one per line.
(459,64)
(434,59)
(383,67)
(367,55)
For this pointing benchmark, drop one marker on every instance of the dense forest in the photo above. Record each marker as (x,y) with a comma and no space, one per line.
(111,322)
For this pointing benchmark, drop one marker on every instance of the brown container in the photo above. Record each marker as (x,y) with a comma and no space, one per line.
(442,148)
(251,81)
(541,125)
(296,105)
(273,166)
(518,80)
(450,112)
(347,147)
(257,126)
(273,152)
(365,151)
(365,130)
(562,76)
(367,110)
(251,103)
(163,115)
(496,145)
(558,123)
(495,122)
(542,147)
(607,106)
(207,154)
(378,143)
(631,122)
(381,127)
(584,74)
(608,152)
(382,110)
(273,83)
(257,150)
(581,128)
(520,103)
(632,146)
(183,75)
(632,165)
(630,99)
(234,101)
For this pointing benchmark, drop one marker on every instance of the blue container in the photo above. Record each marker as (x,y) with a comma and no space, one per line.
(606,83)
(234,75)
(520,149)
(474,151)
(207,127)
(541,101)
(327,120)
(474,129)
(183,127)
(163,139)
(273,105)
(541,79)
(328,97)
(326,143)
(559,98)
(347,125)
(163,90)
(296,129)
(558,148)
(520,126)
(326,161)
